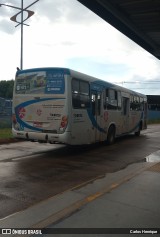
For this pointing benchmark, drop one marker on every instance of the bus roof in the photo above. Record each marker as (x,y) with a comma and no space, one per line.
(82,76)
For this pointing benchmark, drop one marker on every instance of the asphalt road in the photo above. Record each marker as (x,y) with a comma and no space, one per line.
(32,172)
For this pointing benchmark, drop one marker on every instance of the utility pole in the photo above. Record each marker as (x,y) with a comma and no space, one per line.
(21,58)
(14,18)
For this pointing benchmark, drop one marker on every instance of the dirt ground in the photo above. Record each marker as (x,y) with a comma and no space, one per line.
(8,140)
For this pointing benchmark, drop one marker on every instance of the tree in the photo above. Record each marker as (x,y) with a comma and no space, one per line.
(6,89)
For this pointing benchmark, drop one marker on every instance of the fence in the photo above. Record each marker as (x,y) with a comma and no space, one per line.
(5,112)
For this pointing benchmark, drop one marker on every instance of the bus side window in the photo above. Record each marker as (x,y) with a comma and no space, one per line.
(84,94)
(111,99)
(80,94)
(75,94)
(141,104)
(131,102)
(93,100)
(99,103)
(119,100)
(135,103)
(105,98)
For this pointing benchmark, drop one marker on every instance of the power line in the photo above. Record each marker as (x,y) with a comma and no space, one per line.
(143,88)
(138,82)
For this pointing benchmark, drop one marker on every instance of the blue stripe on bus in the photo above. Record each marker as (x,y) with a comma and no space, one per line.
(133,129)
(138,124)
(94,122)
(23,105)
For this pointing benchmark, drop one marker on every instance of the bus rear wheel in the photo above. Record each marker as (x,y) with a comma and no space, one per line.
(111,135)
(137,134)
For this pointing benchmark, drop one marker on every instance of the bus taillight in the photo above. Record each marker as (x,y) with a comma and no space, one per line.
(14,120)
(64,122)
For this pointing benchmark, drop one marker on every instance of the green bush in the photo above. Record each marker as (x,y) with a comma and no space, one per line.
(5,123)
(153,121)
(5,133)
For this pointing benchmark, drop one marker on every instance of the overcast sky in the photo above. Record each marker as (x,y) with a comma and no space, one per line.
(64,33)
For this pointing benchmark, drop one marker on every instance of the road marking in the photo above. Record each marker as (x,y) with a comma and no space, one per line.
(68,211)
(94,196)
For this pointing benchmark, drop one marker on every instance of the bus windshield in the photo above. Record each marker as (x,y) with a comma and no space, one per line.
(40,82)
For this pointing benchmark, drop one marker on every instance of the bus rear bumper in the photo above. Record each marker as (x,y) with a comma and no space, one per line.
(64,138)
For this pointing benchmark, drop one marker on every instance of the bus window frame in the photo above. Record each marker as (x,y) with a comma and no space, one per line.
(80,99)
(113,103)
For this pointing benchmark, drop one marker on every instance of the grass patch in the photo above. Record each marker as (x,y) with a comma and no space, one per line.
(5,122)
(153,121)
(5,133)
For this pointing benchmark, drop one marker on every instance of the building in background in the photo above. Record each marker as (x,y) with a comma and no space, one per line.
(153,107)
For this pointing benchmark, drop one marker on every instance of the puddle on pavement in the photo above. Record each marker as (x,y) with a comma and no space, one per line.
(154,157)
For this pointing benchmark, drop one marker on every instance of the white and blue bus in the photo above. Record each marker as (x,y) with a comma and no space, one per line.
(59,105)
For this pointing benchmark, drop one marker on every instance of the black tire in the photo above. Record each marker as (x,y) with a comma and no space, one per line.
(111,135)
(137,134)
(139,131)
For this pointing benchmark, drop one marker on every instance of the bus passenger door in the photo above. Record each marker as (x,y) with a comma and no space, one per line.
(125,114)
(96,112)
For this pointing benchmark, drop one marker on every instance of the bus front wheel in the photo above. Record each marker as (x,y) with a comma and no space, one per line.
(137,134)
(111,135)
(139,130)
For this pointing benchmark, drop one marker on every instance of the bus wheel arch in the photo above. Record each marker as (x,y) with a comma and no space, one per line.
(111,134)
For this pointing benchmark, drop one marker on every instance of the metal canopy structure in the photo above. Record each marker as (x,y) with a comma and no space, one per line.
(137,19)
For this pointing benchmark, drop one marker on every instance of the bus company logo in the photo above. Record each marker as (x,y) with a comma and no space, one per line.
(39,112)
(55,115)
(78,115)
(21,112)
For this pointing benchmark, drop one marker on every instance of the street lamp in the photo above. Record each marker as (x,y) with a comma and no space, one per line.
(14,18)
